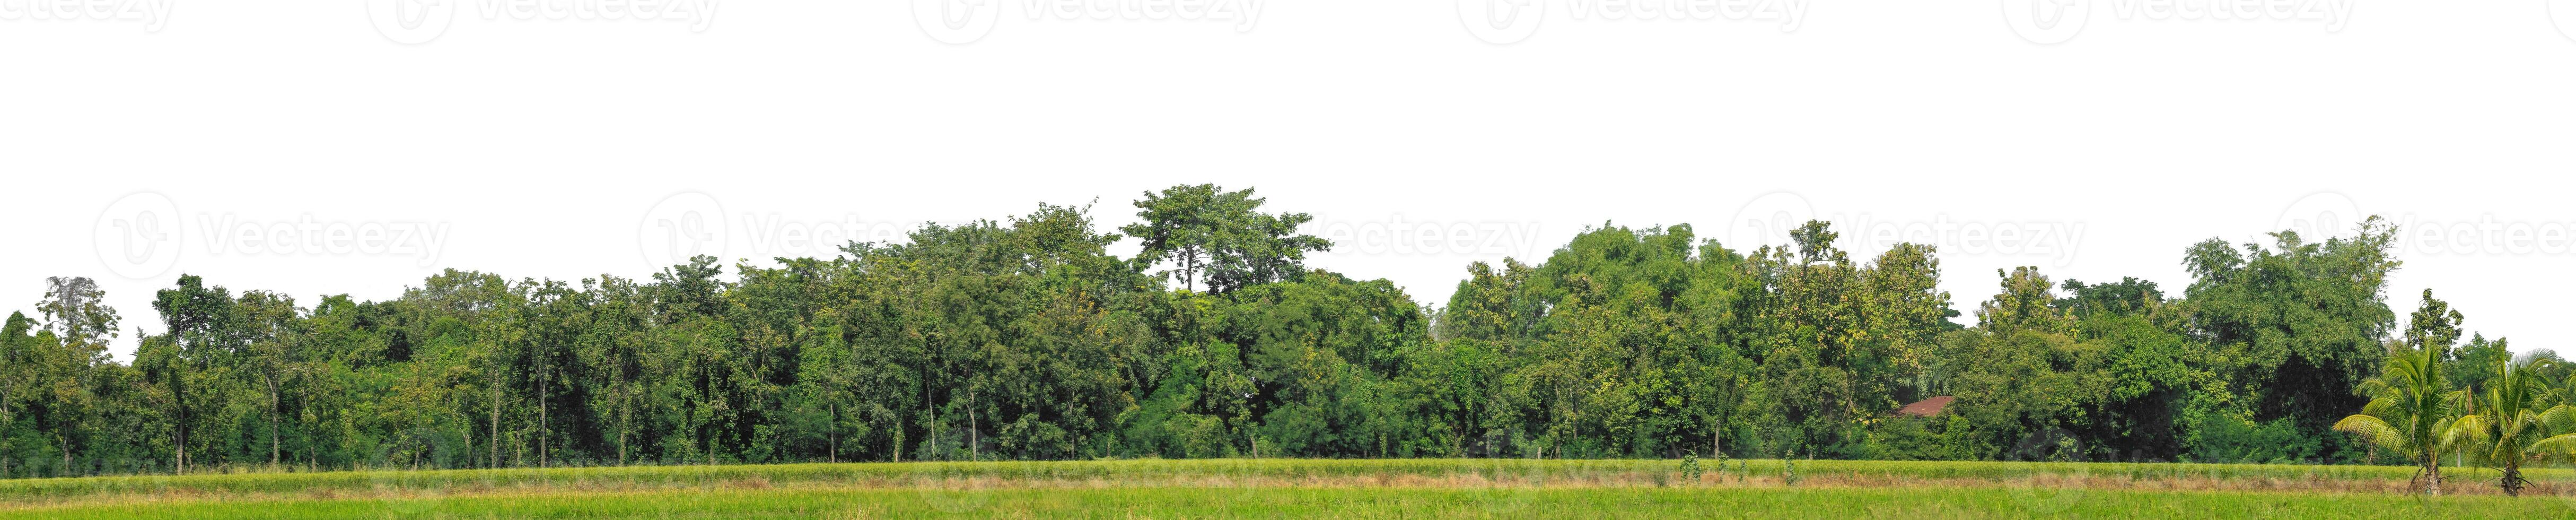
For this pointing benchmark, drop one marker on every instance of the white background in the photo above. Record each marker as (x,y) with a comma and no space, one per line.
(543,147)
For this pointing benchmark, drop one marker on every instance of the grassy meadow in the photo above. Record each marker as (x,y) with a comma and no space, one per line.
(1498,488)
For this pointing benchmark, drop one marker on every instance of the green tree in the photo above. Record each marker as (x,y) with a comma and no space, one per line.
(272,326)
(2410,412)
(203,334)
(17,364)
(2515,419)
(76,310)
(2309,318)
(1836,337)
(2129,296)
(1221,235)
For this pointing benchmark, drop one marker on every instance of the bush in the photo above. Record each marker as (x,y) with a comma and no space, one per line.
(2225,438)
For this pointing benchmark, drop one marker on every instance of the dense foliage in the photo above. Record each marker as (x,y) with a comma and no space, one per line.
(1026,339)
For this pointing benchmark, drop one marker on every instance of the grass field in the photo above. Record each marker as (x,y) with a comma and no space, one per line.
(1302,488)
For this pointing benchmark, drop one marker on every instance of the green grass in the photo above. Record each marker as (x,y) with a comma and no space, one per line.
(1170,502)
(1164,470)
(1344,488)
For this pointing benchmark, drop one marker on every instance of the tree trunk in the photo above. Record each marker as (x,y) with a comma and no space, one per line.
(832,435)
(2512,479)
(2433,473)
(542,437)
(304,409)
(1189,268)
(179,433)
(4,421)
(706,434)
(272,420)
(625,416)
(496,421)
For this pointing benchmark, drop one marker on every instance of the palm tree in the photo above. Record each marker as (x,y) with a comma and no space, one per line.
(2513,419)
(2408,413)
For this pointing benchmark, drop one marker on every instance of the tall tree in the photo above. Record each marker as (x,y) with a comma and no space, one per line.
(1221,235)
(1835,336)
(1184,224)
(76,310)
(272,326)
(17,372)
(204,332)
(2310,318)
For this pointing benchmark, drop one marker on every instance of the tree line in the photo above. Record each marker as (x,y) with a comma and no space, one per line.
(1024,338)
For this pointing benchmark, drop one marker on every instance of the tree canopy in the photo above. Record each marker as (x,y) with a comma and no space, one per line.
(1025,338)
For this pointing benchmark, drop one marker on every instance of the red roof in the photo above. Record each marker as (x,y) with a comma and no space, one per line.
(1926,407)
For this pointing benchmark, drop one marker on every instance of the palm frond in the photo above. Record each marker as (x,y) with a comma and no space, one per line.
(2560,446)
(2376,431)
